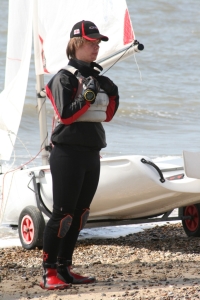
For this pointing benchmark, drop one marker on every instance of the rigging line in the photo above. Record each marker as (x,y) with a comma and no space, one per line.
(138,67)
(118,59)
(24,147)
(46,139)
(9,133)
(41,106)
(14,159)
(14,149)
(3,208)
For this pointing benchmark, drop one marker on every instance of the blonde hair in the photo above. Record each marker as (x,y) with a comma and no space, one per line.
(74,44)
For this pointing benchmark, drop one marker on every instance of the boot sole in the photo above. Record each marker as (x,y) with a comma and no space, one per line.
(75,280)
(61,287)
(84,281)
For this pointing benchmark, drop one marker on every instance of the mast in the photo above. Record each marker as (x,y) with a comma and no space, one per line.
(41,96)
(41,100)
(121,55)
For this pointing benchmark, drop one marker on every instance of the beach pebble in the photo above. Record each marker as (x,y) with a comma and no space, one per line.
(160,263)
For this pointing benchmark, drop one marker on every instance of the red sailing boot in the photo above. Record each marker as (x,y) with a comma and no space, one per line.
(66,275)
(50,279)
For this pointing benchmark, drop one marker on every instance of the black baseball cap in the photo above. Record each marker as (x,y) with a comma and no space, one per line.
(88,31)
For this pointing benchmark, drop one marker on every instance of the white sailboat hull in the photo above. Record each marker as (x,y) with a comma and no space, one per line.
(128,189)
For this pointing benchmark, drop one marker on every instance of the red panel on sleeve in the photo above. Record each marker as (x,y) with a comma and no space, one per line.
(110,109)
(74,117)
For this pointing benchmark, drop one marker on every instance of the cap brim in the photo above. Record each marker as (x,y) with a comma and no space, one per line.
(95,36)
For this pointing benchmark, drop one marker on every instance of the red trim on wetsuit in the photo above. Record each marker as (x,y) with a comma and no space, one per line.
(73,118)
(83,218)
(110,109)
(50,96)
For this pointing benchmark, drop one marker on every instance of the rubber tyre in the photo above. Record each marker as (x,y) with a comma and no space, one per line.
(192,227)
(31,226)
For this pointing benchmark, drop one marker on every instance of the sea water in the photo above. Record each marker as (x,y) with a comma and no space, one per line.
(159,112)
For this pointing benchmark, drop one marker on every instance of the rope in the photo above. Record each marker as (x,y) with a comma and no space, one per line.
(121,57)
(118,59)
(138,67)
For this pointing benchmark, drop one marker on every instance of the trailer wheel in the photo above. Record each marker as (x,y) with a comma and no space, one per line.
(31,226)
(192,226)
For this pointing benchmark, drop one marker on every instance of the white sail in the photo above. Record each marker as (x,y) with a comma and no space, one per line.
(58,17)
(143,187)
(52,24)
(17,70)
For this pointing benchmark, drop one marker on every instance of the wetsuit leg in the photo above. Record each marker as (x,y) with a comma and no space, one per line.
(56,228)
(89,186)
(66,190)
(72,191)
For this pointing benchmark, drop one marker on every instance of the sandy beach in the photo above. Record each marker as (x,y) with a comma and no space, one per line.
(158,263)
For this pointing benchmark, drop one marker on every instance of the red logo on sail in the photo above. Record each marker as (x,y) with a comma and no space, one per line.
(128,30)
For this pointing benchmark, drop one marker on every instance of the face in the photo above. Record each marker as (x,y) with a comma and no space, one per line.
(88,51)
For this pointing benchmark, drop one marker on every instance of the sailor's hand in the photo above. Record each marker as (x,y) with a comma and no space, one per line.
(107,85)
(91,88)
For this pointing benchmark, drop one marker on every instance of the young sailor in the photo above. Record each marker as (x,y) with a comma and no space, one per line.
(82,99)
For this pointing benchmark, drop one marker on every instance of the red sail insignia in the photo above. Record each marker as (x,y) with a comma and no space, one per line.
(128,31)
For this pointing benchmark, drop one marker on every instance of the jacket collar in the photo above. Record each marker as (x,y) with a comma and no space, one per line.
(86,69)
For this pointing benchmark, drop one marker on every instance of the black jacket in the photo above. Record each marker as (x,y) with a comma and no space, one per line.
(61,90)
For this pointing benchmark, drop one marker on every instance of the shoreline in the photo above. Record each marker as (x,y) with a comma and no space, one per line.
(9,236)
(157,263)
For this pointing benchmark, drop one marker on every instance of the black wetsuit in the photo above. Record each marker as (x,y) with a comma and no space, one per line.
(75,160)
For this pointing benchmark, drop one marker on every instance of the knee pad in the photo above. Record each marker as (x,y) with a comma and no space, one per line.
(83,218)
(65,224)
(80,219)
(60,223)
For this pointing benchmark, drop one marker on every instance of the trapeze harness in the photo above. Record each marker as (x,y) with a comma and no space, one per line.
(97,110)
